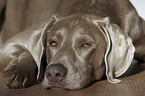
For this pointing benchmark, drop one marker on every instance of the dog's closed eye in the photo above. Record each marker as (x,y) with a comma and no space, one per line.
(86,44)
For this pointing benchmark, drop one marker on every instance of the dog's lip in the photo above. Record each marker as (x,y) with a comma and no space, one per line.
(57,86)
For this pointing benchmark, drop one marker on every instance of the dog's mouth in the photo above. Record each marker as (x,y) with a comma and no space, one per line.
(57,78)
(55,86)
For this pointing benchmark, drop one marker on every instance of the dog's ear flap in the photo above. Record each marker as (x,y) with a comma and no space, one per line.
(119,52)
(47,29)
(38,50)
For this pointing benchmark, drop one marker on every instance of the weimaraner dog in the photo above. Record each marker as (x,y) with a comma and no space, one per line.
(81,41)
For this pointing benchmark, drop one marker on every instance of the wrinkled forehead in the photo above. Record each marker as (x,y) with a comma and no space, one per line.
(76,25)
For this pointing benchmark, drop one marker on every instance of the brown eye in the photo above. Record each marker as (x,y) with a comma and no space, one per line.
(52,44)
(86,45)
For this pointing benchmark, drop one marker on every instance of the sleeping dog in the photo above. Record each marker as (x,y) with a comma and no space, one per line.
(83,40)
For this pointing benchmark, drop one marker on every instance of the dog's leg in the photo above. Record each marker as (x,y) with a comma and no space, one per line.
(140,49)
(21,72)
(140,45)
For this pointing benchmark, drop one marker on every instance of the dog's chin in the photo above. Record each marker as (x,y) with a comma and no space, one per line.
(56,88)
(61,88)
(53,86)
(64,85)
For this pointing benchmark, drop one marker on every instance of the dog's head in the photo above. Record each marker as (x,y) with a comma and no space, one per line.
(75,50)
(78,49)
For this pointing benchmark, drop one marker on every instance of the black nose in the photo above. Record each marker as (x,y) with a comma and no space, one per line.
(56,72)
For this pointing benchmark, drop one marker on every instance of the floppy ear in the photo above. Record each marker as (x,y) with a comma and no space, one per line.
(46,30)
(37,42)
(119,52)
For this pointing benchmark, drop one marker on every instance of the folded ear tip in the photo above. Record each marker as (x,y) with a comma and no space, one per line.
(106,20)
(55,17)
(114,81)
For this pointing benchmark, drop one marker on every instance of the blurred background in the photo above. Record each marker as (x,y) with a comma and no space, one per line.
(140,7)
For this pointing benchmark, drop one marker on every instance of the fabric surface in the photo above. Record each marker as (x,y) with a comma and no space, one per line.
(132,85)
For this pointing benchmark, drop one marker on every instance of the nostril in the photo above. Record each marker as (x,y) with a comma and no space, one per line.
(57,75)
(56,72)
(48,74)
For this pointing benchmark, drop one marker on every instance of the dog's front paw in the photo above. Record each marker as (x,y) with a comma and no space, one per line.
(18,76)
